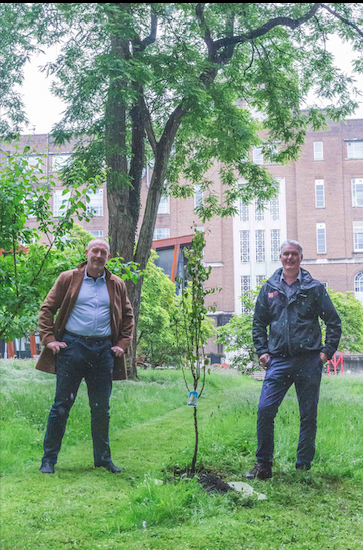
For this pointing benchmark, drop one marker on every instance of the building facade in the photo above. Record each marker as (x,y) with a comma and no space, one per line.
(320,204)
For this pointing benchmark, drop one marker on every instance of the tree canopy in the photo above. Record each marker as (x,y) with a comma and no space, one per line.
(179,86)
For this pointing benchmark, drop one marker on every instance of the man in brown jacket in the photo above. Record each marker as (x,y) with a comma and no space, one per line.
(88,339)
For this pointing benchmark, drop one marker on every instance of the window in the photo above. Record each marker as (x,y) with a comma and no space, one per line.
(33,162)
(257,155)
(97,233)
(198,198)
(357,191)
(95,203)
(319,194)
(161,233)
(260,279)
(60,202)
(260,245)
(318,150)
(200,229)
(259,212)
(164,205)
(245,246)
(321,238)
(243,211)
(355,149)
(59,161)
(275,245)
(358,236)
(358,286)
(245,287)
(274,209)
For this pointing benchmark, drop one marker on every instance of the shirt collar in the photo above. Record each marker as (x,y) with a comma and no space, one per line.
(86,276)
(298,278)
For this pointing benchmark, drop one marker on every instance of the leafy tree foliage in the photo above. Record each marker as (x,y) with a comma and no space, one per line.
(162,83)
(350,311)
(161,338)
(236,335)
(24,194)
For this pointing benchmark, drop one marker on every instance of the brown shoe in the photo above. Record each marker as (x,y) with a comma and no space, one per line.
(260,471)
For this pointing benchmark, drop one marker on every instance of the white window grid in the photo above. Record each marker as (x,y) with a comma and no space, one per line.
(245,287)
(275,209)
(357,191)
(161,233)
(260,245)
(320,238)
(260,279)
(95,204)
(358,282)
(58,201)
(198,195)
(358,236)
(164,205)
(355,149)
(319,194)
(259,212)
(318,150)
(257,155)
(275,245)
(97,233)
(243,211)
(245,246)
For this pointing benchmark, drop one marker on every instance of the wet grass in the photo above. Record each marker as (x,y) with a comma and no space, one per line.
(152,433)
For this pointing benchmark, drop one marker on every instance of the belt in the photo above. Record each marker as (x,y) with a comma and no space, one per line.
(88,338)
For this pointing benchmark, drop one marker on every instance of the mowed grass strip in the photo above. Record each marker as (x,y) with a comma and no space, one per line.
(151,433)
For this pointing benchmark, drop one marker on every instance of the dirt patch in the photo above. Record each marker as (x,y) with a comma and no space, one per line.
(210,482)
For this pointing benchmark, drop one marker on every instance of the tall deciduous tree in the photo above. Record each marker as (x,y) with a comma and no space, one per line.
(161,82)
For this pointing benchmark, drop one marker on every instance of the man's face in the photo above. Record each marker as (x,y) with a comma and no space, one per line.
(97,256)
(290,258)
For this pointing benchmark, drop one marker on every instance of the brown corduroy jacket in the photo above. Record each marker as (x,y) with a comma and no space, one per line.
(62,298)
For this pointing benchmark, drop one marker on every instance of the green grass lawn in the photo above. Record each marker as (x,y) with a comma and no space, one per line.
(152,433)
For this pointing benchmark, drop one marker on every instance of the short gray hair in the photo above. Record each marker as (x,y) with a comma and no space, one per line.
(98,239)
(295,243)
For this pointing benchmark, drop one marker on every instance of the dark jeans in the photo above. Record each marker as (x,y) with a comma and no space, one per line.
(305,372)
(92,360)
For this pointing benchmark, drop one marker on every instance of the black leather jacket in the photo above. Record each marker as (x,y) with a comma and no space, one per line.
(293,323)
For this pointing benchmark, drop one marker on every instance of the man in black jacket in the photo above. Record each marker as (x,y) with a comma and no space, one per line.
(290,304)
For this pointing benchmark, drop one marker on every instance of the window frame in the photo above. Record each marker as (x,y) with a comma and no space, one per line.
(319,227)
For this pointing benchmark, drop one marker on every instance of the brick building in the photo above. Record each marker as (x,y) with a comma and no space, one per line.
(320,204)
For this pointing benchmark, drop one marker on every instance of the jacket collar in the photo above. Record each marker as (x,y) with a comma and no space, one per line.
(306,279)
(82,269)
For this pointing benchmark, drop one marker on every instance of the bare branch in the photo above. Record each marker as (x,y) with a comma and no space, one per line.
(271,24)
(141,45)
(148,125)
(199,11)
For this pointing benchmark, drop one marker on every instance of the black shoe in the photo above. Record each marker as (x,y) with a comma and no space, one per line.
(110,467)
(260,471)
(303,467)
(47,468)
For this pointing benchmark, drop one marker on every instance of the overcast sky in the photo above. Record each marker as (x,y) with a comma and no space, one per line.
(44,110)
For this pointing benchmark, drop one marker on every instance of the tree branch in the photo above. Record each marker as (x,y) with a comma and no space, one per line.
(148,125)
(141,45)
(343,19)
(271,24)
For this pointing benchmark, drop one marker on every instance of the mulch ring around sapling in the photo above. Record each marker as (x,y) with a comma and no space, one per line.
(209,481)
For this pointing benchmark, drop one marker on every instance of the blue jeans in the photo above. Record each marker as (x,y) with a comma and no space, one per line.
(92,360)
(305,372)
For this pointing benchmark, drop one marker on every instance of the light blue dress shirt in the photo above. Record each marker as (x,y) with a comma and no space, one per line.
(91,313)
